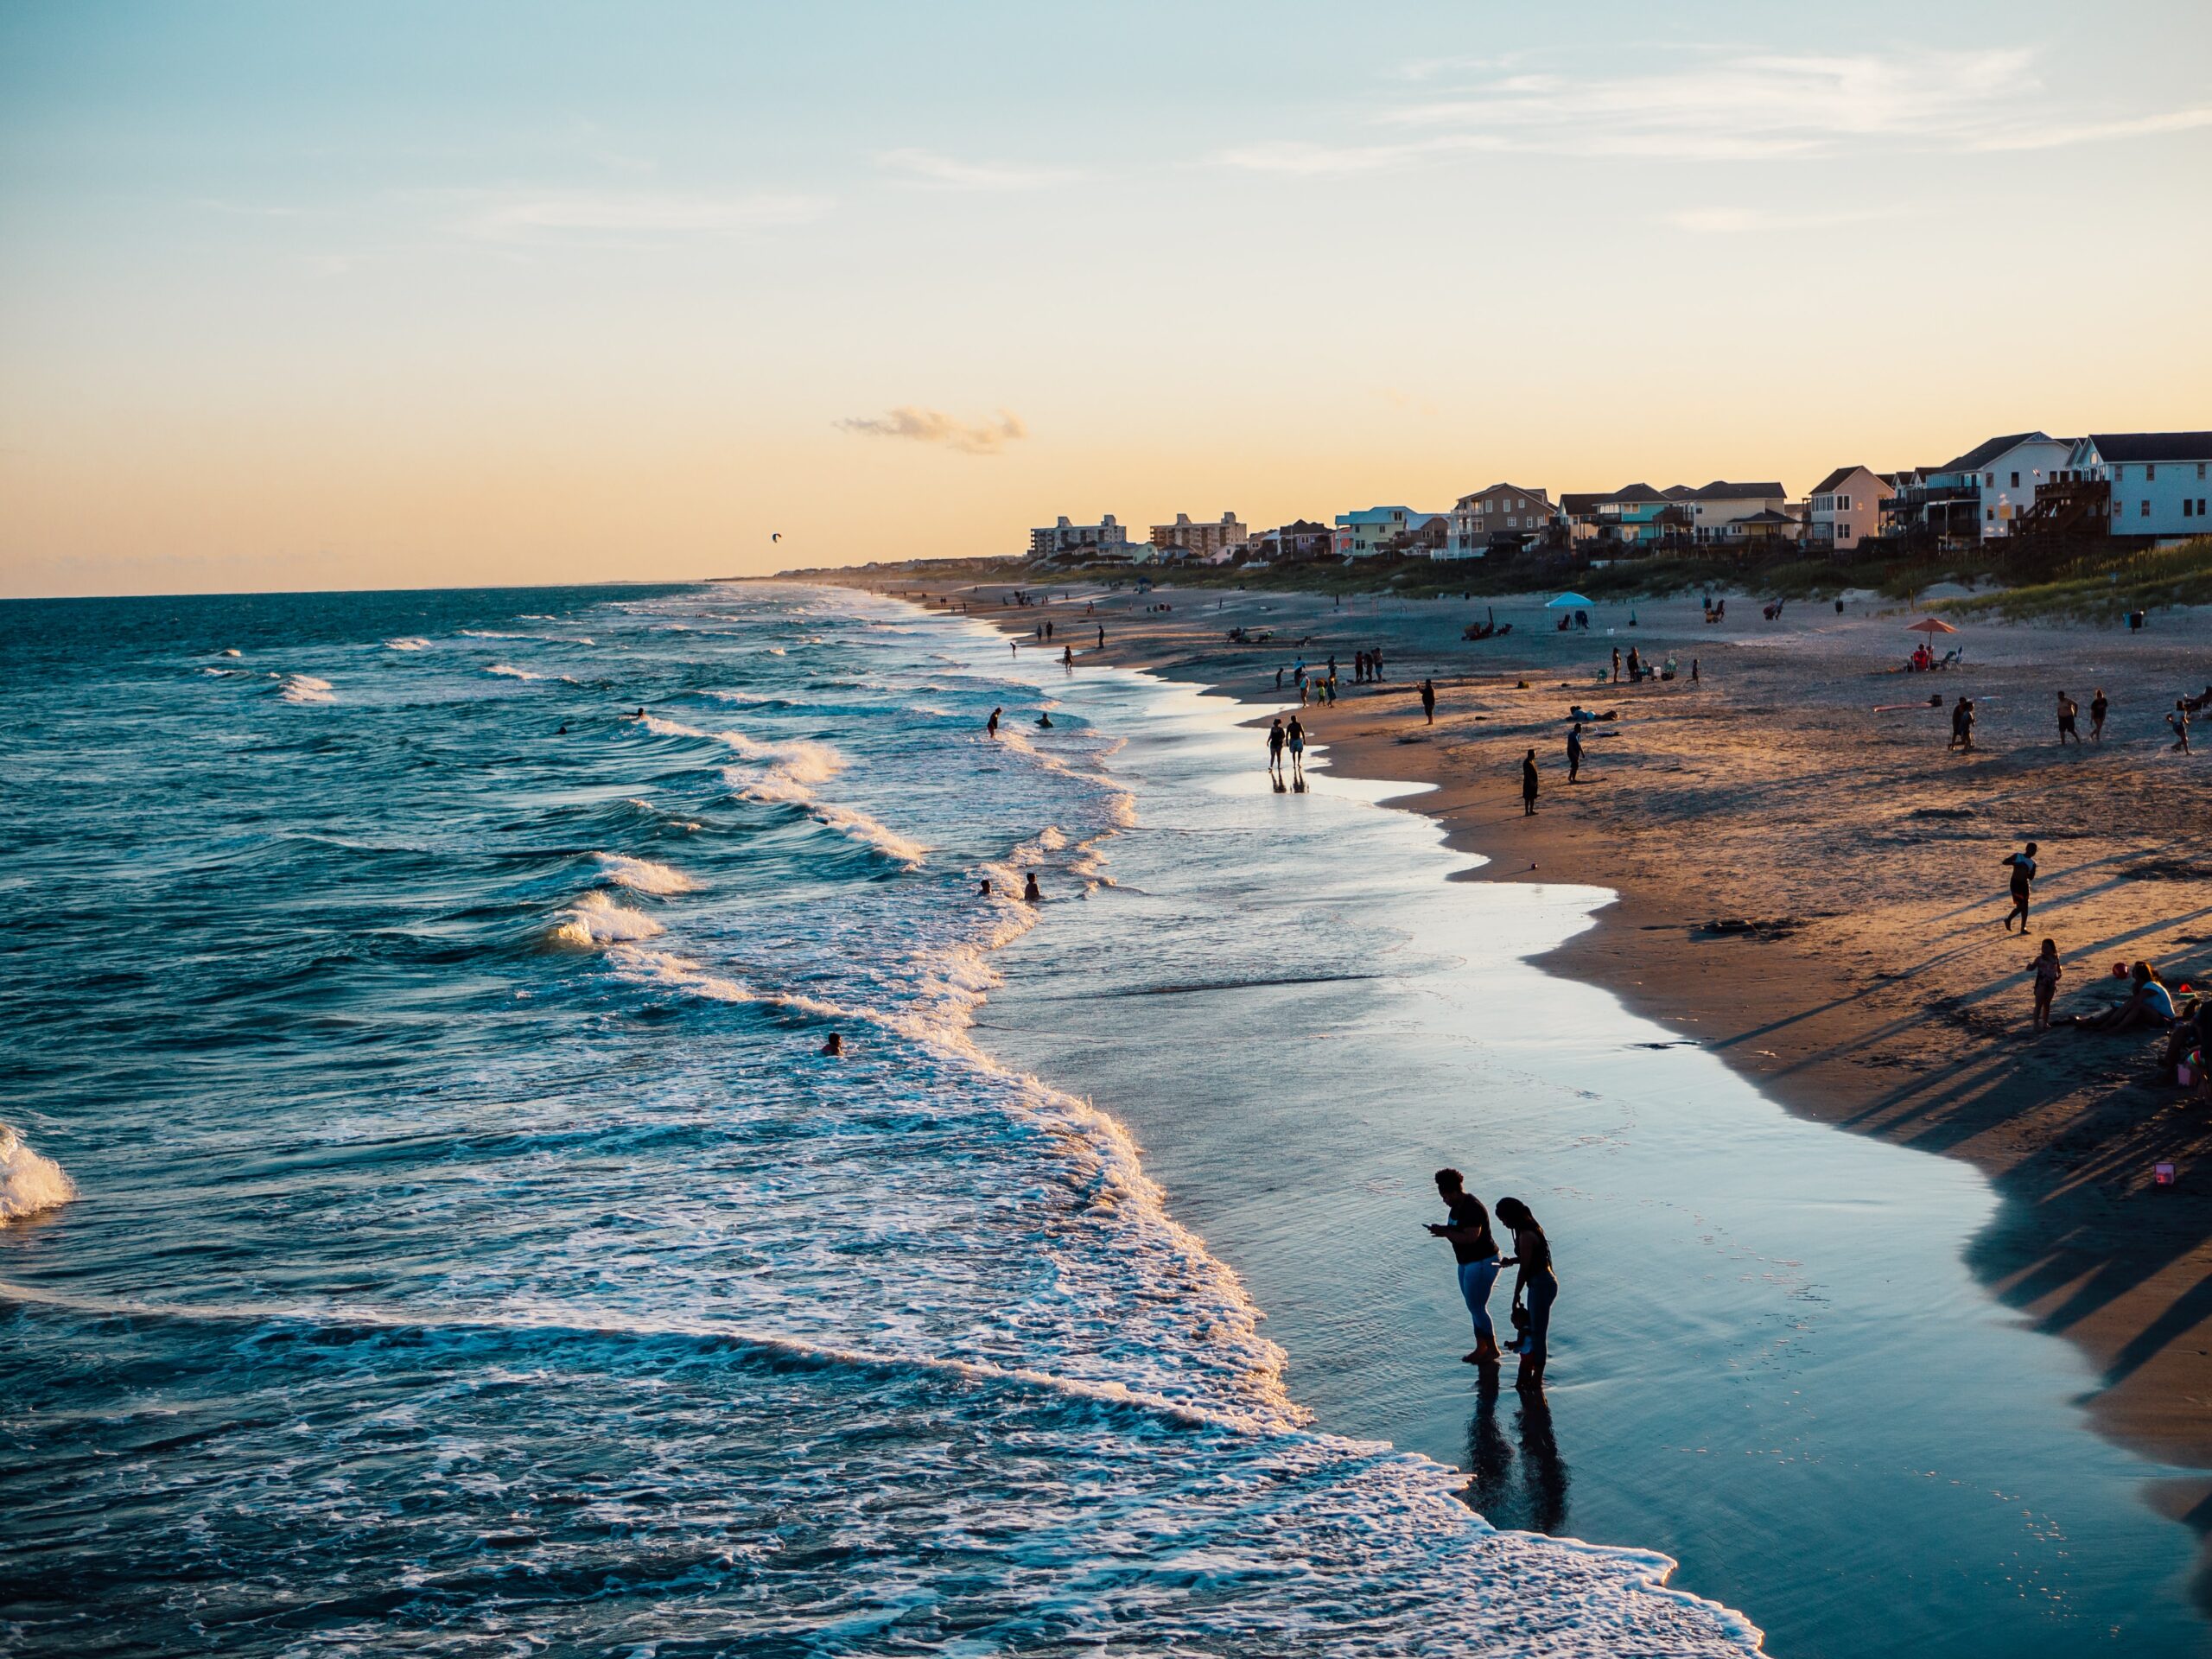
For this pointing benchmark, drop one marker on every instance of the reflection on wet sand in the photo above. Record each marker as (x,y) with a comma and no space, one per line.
(1522,1493)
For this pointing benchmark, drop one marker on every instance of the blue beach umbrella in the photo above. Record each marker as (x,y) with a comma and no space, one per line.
(1568,602)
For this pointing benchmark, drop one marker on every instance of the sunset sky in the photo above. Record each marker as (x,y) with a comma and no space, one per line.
(316,297)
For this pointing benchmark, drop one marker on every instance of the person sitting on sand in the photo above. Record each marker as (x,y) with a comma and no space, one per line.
(2047,969)
(1030,893)
(2149,1004)
(2023,866)
(1475,1253)
(1536,1289)
(834,1048)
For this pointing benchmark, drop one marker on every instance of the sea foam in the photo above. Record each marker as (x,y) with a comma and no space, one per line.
(643,874)
(29,1181)
(596,919)
(305,688)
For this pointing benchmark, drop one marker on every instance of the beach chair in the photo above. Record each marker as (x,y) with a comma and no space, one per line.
(1950,658)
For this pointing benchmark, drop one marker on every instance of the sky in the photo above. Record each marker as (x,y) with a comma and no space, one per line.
(301,296)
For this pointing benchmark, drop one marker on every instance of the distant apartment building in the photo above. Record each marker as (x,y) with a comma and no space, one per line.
(1978,495)
(2156,483)
(1301,538)
(1504,513)
(1364,534)
(1104,540)
(1202,541)
(1845,506)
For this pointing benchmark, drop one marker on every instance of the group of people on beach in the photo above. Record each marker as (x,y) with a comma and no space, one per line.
(1475,1252)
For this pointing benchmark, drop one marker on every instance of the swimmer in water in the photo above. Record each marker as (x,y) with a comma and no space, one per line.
(1030,893)
(834,1048)
(991,725)
(984,891)
(1045,721)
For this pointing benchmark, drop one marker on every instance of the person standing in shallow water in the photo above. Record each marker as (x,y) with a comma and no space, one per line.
(1535,1290)
(1530,785)
(1475,1253)
(1294,737)
(991,725)
(1276,739)
(1428,700)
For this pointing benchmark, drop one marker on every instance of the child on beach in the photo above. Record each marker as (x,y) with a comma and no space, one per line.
(2022,867)
(2047,969)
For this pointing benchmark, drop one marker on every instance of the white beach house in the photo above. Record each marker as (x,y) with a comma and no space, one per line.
(1719,512)
(1979,493)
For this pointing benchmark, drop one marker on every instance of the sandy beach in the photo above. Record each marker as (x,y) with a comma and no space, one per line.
(1858,971)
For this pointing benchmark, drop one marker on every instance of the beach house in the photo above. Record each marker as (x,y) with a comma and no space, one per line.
(2155,483)
(1502,515)
(1978,495)
(1364,534)
(1845,506)
(1206,541)
(1301,538)
(1638,515)
(1104,540)
(1723,512)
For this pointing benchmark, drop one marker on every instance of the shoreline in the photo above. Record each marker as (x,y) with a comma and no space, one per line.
(1871,999)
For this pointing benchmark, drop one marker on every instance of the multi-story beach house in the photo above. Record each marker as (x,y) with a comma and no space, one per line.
(1364,534)
(1978,495)
(1206,541)
(1502,515)
(1638,515)
(1301,538)
(2154,483)
(1104,540)
(1721,512)
(1845,506)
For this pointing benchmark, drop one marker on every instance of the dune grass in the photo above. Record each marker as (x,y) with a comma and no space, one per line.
(2103,589)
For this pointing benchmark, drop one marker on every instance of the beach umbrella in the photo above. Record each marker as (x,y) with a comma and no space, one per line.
(1930,625)
(1568,602)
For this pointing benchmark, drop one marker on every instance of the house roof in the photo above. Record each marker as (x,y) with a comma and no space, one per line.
(1833,479)
(1721,490)
(2153,446)
(1581,501)
(1633,492)
(1679,493)
(1496,489)
(1769,516)
(1982,454)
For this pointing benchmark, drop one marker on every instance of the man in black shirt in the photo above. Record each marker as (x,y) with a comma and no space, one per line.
(1475,1254)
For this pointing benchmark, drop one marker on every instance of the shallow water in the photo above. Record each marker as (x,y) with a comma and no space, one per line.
(1769,1359)
(472,1252)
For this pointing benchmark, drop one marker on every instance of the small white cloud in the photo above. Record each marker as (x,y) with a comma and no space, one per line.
(935,426)
(2093,132)
(925,167)
(623,213)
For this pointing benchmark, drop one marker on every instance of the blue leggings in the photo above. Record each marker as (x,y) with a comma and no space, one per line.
(1475,1279)
(1537,1296)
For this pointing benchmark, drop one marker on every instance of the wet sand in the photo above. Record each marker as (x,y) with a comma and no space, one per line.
(1873,988)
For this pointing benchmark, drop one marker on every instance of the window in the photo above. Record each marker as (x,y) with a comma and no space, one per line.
(2146,512)
(1990,479)
(1990,515)
(2200,469)
(2016,481)
(2186,504)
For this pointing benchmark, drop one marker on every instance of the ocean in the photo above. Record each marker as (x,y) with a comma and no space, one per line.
(471,1250)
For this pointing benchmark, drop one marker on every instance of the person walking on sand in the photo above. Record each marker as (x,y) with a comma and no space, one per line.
(1528,785)
(1474,1252)
(1102,636)
(1275,740)
(1694,670)
(1428,700)
(1574,752)
(1616,664)
(1293,739)
(991,725)
(2097,708)
(1534,1291)
(2047,969)
(2067,712)
(1962,725)
(2023,866)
